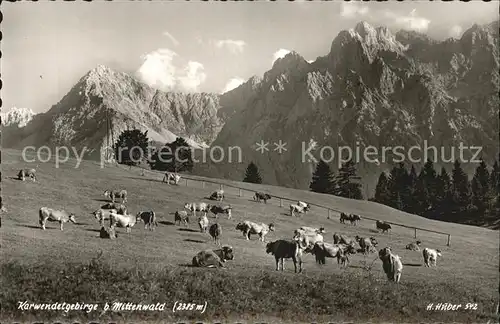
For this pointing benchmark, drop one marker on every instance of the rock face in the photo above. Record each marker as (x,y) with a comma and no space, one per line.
(79,119)
(373,88)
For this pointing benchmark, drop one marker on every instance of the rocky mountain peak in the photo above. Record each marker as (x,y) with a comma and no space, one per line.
(292,60)
(19,117)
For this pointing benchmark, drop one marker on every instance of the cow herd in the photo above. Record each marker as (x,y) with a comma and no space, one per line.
(305,240)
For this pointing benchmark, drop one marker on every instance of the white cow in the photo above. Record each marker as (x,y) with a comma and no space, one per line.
(430,256)
(116,194)
(248,228)
(304,205)
(194,207)
(127,221)
(48,214)
(296,209)
(103,214)
(203,223)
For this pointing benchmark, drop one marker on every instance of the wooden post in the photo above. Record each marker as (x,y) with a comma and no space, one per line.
(415,233)
(203,184)
(239,192)
(328,217)
(220,186)
(186,182)
(448,244)
(281,202)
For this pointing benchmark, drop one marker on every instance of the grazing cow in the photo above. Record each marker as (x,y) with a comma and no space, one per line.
(248,228)
(213,258)
(353,218)
(322,250)
(23,173)
(304,205)
(344,217)
(307,229)
(413,246)
(194,207)
(385,227)
(296,209)
(149,219)
(285,249)
(120,208)
(181,216)
(103,214)
(365,244)
(171,176)
(342,239)
(261,196)
(116,194)
(48,214)
(127,221)
(217,195)
(391,263)
(221,210)
(430,256)
(215,232)
(109,233)
(203,223)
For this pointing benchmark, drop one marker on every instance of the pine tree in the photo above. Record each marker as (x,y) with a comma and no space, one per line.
(444,195)
(176,156)
(480,187)
(495,182)
(460,189)
(421,196)
(428,174)
(131,147)
(344,185)
(322,179)
(411,183)
(252,174)
(382,194)
(398,187)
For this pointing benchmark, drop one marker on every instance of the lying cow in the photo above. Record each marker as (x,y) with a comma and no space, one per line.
(413,246)
(248,228)
(217,195)
(181,216)
(126,221)
(215,232)
(103,214)
(385,227)
(194,207)
(320,230)
(203,223)
(430,256)
(322,250)
(285,249)
(304,205)
(116,194)
(48,214)
(391,263)
(296,209)
(221,210)
(171,176)
(149,219)
(213,258)
(120,208)
(23,173)
(342,239)
(261,196)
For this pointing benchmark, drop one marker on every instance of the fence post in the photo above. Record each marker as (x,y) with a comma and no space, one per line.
(281,202)
(220,186)
(415,232)
(186,182)
(448,244)
(239,192)
(328,217)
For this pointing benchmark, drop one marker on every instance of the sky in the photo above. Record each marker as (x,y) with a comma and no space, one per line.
(190,46)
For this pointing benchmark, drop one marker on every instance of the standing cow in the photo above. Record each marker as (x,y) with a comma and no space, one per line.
(48,214)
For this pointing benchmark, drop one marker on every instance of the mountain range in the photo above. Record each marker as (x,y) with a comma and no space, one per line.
(374,88)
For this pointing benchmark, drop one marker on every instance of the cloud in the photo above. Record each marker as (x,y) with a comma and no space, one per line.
(234,46)
(280,54)
(353,9)
(233,84)
(158,71)
(455,31)
(172,38)
(193,75)
(411,21)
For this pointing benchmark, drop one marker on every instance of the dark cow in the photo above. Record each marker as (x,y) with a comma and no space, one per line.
(322,250)
(120,208)
(149,219)
(261,196)
(109,233)
(218,209)
(344,217)
(181,216)
(385,227)
(215,232)
(285,249)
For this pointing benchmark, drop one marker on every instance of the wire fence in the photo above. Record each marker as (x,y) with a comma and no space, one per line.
(329,211)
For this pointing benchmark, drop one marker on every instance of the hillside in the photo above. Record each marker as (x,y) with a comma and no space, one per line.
(169,248)
(372,89)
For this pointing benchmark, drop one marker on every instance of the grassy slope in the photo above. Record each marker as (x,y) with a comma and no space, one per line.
(164,253)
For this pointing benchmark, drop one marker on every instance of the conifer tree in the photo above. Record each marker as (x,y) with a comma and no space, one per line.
(345,187)
(460,188)
(252,174)
(480,187)
(382,194)
(322,179)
